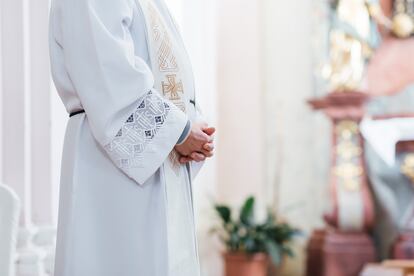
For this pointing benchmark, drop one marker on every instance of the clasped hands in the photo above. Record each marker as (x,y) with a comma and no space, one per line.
(199,144)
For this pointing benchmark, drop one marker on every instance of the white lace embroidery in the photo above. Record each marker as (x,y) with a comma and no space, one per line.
(127,148)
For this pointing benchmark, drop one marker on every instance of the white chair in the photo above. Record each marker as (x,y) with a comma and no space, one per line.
(9,216)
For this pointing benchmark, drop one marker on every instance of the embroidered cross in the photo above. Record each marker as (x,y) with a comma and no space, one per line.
(172,87)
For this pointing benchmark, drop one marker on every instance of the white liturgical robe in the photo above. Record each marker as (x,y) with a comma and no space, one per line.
(125,203)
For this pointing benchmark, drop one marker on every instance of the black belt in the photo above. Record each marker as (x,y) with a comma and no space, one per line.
(76,113)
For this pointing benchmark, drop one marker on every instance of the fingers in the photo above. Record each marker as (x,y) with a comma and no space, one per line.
(198,157)
(185,159)
(207,153)
(202,124)
(199,145)
(209,130)
(208,147)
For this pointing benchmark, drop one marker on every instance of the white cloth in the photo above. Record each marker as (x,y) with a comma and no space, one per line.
(383,135)
(119,214)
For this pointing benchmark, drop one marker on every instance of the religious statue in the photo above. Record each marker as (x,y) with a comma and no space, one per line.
(403,18)
(353,37)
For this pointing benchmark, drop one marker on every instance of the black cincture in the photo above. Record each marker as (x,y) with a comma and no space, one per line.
(76,113)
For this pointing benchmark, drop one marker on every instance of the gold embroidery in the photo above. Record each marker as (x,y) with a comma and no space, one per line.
(172,86)
(166,59)
(172,90)
(154,23)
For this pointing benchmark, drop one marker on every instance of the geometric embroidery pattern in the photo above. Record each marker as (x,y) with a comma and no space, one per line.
(127,148)
(166,59)
(172,87)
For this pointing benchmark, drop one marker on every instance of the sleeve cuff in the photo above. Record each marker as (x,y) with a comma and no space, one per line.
(147,137)
(185,134)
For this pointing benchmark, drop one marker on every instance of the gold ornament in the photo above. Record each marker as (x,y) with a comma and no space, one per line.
(348,171)
(348,149)
(407,168)
(402,25)
(347,128)
(348,51)
(375,10)
(352,185)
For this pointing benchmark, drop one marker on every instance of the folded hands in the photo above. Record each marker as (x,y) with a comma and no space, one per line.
(199,144)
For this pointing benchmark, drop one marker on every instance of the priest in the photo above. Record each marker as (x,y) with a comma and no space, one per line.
(133,141)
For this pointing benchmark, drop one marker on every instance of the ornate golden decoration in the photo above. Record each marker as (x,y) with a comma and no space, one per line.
(402,25)
(348,170)
(349,45)
(347,128)
(407,167)
(352,185)
(403,20)
(348,151)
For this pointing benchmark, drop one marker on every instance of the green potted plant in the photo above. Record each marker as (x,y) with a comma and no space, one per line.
(250,244)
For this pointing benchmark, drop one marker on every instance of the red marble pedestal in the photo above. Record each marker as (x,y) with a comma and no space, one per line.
(348,171)
(314,261)
(346,254)
(403,248)
(347,247)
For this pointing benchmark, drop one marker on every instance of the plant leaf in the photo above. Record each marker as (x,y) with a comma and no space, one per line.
(288,251)
(246,214)
(224,213)
(274,251)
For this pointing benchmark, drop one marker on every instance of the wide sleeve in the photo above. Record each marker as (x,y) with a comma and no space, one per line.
(135,125)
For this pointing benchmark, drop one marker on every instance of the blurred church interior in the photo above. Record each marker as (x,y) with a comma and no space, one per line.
(315,119)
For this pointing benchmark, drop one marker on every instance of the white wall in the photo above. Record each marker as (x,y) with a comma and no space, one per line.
(270,143)
(295,133)
(297,139)
(240,94)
